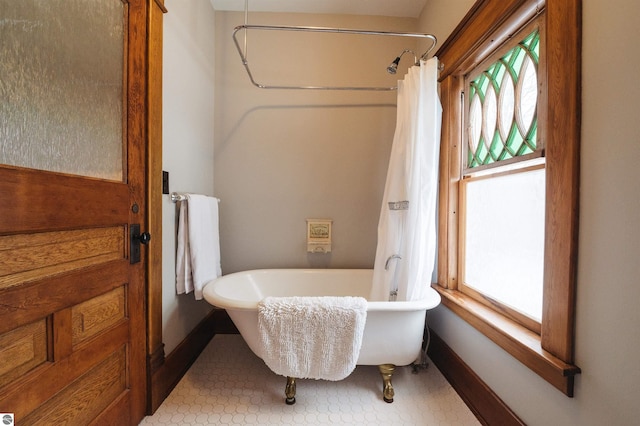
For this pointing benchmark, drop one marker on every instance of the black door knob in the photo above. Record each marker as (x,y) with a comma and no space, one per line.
(144,238)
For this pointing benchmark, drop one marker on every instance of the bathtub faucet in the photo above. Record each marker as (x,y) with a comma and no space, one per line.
(393,256)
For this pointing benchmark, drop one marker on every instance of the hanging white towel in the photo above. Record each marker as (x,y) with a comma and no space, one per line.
(198,251)
(312,337)
(184,281)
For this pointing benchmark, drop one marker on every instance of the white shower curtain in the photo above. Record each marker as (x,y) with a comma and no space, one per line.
(406,251)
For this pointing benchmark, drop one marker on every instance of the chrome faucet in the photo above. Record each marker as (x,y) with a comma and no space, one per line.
(393,256)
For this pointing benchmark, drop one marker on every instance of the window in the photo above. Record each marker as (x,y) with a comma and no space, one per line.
(509,178)
(502,119)
(501,188)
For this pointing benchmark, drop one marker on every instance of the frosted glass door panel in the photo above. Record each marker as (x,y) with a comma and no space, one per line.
(61,86)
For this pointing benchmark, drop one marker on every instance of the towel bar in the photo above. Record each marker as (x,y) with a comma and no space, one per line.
(176,196)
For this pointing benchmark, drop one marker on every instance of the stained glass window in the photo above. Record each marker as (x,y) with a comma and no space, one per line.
(502,119)
(505,208)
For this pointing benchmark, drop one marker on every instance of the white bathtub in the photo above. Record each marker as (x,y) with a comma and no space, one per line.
(393,330)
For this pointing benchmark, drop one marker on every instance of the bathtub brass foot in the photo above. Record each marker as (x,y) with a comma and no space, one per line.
(386,370)
(290,391)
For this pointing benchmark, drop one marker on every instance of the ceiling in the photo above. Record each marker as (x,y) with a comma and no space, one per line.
(401,8)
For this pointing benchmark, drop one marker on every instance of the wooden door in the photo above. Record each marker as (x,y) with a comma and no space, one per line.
(72,317)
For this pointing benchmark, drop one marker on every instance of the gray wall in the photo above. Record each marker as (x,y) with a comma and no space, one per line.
(188,92)
(283,156)
(607,342)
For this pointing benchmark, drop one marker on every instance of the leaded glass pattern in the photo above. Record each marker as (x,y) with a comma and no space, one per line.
(502,119)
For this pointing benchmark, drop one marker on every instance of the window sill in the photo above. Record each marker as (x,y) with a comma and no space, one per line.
(521,343)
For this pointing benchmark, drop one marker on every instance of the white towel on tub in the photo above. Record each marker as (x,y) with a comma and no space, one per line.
(198,251)
(312,337)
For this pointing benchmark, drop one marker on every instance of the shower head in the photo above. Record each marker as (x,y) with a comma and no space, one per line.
(393,67)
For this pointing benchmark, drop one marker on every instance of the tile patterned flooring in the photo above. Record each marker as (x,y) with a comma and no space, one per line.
(229,385)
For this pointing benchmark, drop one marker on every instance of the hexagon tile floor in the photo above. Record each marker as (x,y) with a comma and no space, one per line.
(229,385)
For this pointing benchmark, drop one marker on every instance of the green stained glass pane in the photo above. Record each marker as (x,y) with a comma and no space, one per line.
(481,152)
(528,144)
(532,45)
(496,150)
(471,160)
(516,63)
(483,83)
(499,74)
(492,71)
(515,140)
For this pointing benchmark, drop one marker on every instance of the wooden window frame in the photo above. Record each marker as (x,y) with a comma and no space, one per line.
(483,30)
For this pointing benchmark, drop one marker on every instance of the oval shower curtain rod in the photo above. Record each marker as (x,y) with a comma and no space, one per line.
(245,62)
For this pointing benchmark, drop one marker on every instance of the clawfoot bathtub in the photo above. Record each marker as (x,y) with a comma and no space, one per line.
(393,330)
